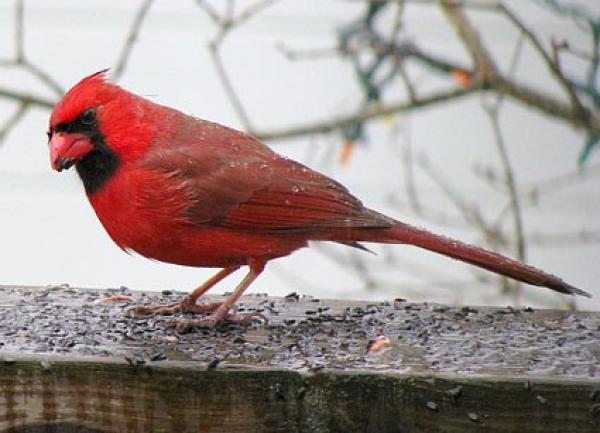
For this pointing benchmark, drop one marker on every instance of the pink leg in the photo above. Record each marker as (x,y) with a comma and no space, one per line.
(222,311)
(188,302)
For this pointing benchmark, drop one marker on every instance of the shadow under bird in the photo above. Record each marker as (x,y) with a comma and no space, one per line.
(183,190)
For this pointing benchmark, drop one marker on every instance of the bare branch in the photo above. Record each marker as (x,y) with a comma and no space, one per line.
(228,86)
(20,59)
(433,214)
(546,104)
(12,121)
(398,59)
(39,101)
(19,31)
(337,123)
(557,183)
(576,114)
(469,212)
(252,10)
(132,36)
(226,24)
(44,77)
(551,63)
(565,239)
(490,79)
(484,65)
(407,158)
(493,112)
(208,9)
(580,53)
(410,89)
(509,178)
(319,53)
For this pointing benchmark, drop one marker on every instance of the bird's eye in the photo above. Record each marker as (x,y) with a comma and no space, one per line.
(49,134)
(88,116)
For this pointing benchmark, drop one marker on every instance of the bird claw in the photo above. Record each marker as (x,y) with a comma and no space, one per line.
(245,318)
(185,305)
(142,310)
(210,322)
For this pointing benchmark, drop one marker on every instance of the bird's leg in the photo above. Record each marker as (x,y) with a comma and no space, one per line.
(188,302)
(222,312)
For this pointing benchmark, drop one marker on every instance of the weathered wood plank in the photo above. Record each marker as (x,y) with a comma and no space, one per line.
(71,364)
(115,397)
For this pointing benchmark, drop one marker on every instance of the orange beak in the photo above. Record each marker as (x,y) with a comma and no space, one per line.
(68,149)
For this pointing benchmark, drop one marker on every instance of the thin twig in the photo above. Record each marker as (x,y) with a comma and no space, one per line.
(408,85)
(226,23)
(546,104)
(433,214)
(336,123)
(565,239)
(407,158)
(514,207)
(580,53)
(20,59)
(404,149)
(552,65)
(484,65)
(317,53)
(12,121)
(44,77)
(228,87)
(510,183)
(19,31)
(470,212)
(501,85)
(39,101)
(252,10)
(398,59)
(493,112)
(132,36)
(557,183)
(210,11)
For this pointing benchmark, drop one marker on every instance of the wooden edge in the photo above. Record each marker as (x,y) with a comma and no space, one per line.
(54,393)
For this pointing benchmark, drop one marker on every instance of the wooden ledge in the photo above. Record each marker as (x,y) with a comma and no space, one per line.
(69,363)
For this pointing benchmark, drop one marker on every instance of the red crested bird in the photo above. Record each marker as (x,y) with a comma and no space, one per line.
(183,190)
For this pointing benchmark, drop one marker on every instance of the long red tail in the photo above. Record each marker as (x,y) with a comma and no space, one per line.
(407,234)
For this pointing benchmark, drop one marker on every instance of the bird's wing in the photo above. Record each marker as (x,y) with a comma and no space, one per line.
(234,181)
(298,198)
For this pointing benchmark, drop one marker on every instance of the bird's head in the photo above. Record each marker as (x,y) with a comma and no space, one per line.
(74,128)
(97,126)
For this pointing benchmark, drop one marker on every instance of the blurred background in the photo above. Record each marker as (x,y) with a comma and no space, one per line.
(476,119)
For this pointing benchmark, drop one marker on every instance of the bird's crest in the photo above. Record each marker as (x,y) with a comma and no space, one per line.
(92,91)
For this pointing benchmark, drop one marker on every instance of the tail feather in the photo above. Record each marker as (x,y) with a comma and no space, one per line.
(407,234)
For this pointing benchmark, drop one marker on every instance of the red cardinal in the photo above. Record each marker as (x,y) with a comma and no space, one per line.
(187,191)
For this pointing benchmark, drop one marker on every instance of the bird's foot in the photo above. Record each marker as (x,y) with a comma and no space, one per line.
(186,305)
(183,325)
(113,298)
